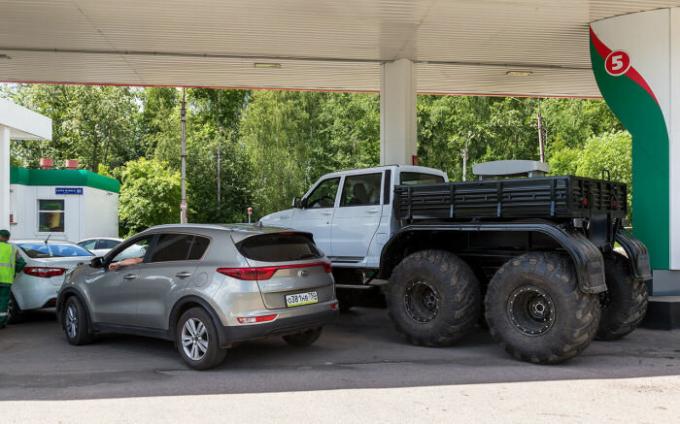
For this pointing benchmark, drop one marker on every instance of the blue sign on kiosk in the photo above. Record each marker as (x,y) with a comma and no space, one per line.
(68,190)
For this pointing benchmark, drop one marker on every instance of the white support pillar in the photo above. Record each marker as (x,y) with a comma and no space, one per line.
(398,125)
(4,177)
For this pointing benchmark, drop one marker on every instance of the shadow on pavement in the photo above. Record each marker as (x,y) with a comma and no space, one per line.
(360,351)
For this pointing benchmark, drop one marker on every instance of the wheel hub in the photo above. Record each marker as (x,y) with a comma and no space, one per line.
(71,322)
(531,310)
(421,301)
(194,339)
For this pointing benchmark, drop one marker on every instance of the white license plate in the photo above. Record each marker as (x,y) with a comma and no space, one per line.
(300,299)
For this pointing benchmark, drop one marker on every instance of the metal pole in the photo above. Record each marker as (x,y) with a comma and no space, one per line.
(464,154)
(541,135)
(183,120)
(219,178)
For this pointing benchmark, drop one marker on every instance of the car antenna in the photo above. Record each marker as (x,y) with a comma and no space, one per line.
(47,239)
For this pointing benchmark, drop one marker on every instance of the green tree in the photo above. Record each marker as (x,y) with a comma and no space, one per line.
(92,124)
(294,137)
(610,152)
(149,195)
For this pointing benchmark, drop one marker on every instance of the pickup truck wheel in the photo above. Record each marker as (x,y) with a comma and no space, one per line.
(624,304)
(433,298)
(536,311)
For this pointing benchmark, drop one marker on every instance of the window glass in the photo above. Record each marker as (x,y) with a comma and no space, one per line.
(107,244)
(199,247)
(279,247)
(361,190)
(324,194)
(89,244)
(53,250)
(172,247)
(417,178)
(136,250)
(51,216)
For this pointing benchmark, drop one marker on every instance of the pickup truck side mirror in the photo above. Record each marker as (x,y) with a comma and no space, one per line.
(299,203)
(97,262)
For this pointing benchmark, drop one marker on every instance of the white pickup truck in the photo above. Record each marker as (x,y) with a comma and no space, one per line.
(534,252)
(350,213)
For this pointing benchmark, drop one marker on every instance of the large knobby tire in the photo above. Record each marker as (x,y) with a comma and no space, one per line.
(536,311)
(197,340)
(304,338)
(75,322)
(433,298)
(624,304)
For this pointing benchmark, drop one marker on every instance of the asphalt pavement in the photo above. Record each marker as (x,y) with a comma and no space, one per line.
(359,371)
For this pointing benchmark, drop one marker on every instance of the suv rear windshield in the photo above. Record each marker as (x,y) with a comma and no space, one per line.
(279,247)
(417,178)
(53,250)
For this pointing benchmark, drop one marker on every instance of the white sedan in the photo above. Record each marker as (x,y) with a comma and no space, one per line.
(100,246)
(46,265)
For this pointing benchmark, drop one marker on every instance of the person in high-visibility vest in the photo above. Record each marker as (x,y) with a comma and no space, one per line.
(10,264)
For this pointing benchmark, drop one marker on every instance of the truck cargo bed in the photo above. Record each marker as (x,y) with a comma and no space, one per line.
(560,197)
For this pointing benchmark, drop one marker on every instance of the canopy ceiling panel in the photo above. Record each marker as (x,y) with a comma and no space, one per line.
(461,46)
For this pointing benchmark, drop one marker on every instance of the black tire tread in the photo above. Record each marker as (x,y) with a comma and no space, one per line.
(84,335)
(613,325)
(462,311)
(583,320)
(216,354)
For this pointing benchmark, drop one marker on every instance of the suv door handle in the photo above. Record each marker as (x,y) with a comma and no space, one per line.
(183,274)
(372,211)
(130,276)
(327,213)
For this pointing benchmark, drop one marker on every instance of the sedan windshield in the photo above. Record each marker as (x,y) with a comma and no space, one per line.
(52,250)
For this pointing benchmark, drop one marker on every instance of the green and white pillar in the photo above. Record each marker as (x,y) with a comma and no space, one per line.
(636,62)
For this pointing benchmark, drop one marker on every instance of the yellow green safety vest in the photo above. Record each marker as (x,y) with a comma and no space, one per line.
(8,259)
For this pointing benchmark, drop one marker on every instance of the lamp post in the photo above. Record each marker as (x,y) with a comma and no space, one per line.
(183,218)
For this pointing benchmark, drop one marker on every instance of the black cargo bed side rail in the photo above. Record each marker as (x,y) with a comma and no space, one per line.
(587,258)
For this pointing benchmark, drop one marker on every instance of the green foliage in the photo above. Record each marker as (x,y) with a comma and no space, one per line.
(610,152)
(92,124)
(235,177)
(293,138)
(275,144)
(149,194)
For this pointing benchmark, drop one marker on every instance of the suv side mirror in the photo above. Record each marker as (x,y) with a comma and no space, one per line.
(97,262)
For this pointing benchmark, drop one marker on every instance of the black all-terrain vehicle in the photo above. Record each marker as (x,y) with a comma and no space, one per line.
(535,255)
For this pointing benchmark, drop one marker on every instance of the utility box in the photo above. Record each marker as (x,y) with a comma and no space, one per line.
(66,204)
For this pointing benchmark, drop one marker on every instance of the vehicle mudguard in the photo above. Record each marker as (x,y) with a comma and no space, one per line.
(637,253)
(587,258)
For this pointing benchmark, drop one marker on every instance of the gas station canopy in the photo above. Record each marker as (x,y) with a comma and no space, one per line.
(500,47)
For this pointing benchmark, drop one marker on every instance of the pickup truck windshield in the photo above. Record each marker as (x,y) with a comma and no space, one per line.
(418,178)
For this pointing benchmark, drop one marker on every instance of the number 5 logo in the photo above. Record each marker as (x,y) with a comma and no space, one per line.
(617,63)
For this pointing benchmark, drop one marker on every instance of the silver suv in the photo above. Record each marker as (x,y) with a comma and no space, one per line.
(203,286)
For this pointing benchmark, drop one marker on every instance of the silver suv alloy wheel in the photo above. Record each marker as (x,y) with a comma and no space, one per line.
(71,321)
(195,339)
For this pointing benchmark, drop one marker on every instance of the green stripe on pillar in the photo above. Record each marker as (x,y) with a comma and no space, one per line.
(642,117)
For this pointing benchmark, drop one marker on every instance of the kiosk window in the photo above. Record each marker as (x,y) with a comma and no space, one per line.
(51,216)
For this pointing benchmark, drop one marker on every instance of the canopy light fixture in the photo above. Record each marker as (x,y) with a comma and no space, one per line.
(4,56)
(266,65)
(518,73)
